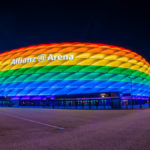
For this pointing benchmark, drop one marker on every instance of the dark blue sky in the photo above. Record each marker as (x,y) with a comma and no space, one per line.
(126,24)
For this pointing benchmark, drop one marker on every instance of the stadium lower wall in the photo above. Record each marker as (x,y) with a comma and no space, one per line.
(95,101)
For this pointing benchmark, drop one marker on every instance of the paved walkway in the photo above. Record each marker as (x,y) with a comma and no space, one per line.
(34,129)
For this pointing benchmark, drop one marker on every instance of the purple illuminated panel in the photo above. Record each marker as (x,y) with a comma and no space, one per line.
(29,98)
(135,97)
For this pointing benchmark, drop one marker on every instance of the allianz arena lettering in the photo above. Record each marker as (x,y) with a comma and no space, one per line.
(41,58)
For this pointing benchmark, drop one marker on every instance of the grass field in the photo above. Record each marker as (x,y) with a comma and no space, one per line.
(47,129)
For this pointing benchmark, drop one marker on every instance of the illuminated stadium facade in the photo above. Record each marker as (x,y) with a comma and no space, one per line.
(73,75)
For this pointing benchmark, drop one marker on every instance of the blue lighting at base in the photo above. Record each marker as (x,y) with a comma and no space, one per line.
(71,87)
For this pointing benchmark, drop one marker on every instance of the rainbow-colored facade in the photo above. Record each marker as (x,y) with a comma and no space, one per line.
(73,68)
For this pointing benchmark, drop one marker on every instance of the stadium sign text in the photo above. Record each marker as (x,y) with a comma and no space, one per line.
(41,58)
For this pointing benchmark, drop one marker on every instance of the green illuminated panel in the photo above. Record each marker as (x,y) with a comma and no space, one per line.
(72,76)
(76,68)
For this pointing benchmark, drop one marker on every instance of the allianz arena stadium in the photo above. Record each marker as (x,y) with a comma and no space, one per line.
(74,75)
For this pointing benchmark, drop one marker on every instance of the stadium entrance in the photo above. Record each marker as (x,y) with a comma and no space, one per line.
(88,101)
(70,104)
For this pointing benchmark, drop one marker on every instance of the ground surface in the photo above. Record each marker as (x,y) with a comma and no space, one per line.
(42,129)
